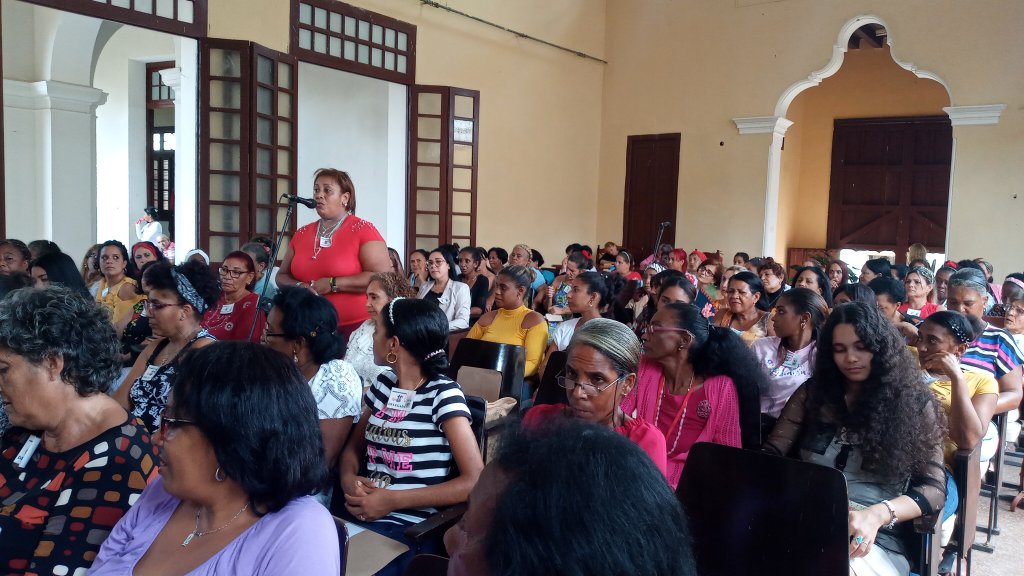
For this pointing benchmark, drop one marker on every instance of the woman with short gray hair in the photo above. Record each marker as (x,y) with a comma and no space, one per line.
(58,356)
(603,359)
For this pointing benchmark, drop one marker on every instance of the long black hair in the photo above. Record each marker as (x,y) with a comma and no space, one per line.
(718,351)
(824,286)
(756,287)
(422,329)
(307,316)
(808,302)
(896,438)
(61,269)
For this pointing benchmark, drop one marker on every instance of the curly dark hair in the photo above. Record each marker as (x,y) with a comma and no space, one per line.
(394,285)
(718,351)
(307,316)
(258,413)
(896,440)
(199,275)
(130,269)
(57,321)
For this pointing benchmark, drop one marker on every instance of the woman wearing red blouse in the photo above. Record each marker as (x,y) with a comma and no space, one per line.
(604,356)
(336,255)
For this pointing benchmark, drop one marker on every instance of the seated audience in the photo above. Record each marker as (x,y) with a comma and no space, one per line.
(675,288)
(1012,290)
(445,290)
(137,332)
(197,255)
(919,285)
(75,461)
(693,261)
(90,270)
(118,289)
(57,268)
(1014,319)
(942,282)
(640,530)
(874,268)
(624,266)
(709,275)
(773,278)
(511,322)
(814,279)
(496,259)
(237,315)
(740,258)
(788,356)
(37,248)
(555,300)
(396,261)
(676,259)
(259,250)
(521,255)
(588,297)
(418,268)
(166,246)
(382,289)
(471,265)
(537,261)
(303,327)
(414,431)
(868,413)
(746,312)
(240,453)
(603,359)
(889,296)
(178,297)
(855,292)
(606,261)
(145,252)
(688,363)
(838,275)
(14,256)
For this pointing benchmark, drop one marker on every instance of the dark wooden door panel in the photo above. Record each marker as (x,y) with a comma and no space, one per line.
(890,183)
(652,181)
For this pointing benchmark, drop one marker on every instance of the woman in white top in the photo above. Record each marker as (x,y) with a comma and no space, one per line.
(788,357)
(382,289)
(443,288)
(588,297)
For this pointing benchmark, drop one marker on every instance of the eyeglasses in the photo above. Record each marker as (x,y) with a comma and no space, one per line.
(153,305)
(1015,310)
(707,271)
(654,329)
(589,389)
(274,335)
(168,424)
(224,271)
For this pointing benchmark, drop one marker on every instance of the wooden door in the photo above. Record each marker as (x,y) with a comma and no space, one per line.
(652,180)
(890,184)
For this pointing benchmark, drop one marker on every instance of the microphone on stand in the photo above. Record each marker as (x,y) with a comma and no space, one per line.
(307,202)
(665,224)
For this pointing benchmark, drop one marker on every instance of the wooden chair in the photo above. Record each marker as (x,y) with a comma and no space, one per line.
(342,541)
(427,565)
(549,392)
(507,360)
(454,338)
(967,475)
(753,513)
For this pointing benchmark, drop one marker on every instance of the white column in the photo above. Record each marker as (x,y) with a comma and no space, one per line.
(398,130)
(776,126)
(184,81)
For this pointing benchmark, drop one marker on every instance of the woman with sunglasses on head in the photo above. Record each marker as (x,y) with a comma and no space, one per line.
(603,359)
(178,297)
(240,452)
(231,318)
(696,383)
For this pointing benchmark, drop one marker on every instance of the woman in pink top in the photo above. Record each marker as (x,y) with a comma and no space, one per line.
(697,383)
(603,357)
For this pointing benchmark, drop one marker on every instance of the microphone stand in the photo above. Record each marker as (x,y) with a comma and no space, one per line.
(273,257)
(657,241)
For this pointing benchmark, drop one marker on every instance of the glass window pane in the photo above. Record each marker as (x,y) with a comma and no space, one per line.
(377,36)
(221,246)
(264,191)
(462,130)
(428,152)
(284,162)
(224,187)
(463,155)
(400,65)
(225,157)
(224,218)
(225,94)
(305,13)
(427,224)
(225,63)
(225,125)
(169,141)
(284,105)
(335,25)
(428,128)
(428,200)
(462,202)
(389,60)
(350,50)
(263,225)
(264,70)
(363,54)
(403,41)
(284,133)
(264,100)
(427,242)
(320,18)
(429,103)
(284,186)
(156,142)
(389,38)
(186,10)
(146,6)
(334,47)
(428,176)
(154,92)
(375,58)
(462,178)
(320,43)
(461,225)
(464,106)
(264,131)
(305,39)
(264,160)
(350,26)
(284,75)
(364,30)
(165,8)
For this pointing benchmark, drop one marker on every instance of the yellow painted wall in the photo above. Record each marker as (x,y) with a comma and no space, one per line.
(870,84)
(693,66)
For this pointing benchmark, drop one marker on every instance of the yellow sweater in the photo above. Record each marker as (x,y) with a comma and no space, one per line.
(507,328)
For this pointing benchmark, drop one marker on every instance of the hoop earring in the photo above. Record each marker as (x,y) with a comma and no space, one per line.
(218,476)
(391,357)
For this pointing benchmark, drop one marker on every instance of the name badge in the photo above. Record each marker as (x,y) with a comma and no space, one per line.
(150,372)
(21,460)
(400,399)
(227,308)
(325,242)
(914,313)
(791,362)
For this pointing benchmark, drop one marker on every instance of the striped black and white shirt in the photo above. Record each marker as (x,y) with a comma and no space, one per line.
(408,449)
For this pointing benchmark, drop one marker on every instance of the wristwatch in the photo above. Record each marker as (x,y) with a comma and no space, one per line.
(334,284)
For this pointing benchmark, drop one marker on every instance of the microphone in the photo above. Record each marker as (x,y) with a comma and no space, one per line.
(307,202)
(666,224)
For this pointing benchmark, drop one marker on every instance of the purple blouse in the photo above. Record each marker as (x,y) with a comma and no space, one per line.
(299,539)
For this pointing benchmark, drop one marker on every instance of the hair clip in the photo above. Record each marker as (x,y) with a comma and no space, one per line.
(434,353)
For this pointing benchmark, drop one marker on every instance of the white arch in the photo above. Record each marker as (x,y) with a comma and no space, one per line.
(839,54)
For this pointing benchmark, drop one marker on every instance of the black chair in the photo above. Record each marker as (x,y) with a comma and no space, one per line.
(427,565)
(342,541)
(549,392)
(753,513)
(507,359)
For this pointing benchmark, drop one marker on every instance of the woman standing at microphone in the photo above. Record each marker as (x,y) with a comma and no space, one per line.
(336,255)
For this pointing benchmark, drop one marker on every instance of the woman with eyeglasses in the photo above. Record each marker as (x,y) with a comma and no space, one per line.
(178,297)
(232,317)
(696,383)
(75,461)
(603,359)
(240,452)
(444,289)
(1013,313)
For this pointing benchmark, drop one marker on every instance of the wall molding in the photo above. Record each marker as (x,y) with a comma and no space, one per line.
(52,95)
(763,125)
(983,115)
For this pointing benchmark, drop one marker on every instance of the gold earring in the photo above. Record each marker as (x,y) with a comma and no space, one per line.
(391,357)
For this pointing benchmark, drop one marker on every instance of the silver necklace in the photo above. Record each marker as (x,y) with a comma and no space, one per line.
(323,238)
(197,533)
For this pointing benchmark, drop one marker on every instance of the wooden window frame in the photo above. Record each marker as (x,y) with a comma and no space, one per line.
(339,62)
(101,9)
(156,67)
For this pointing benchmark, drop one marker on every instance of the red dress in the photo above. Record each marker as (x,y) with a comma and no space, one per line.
(339,259)
(233,321)
(647,437)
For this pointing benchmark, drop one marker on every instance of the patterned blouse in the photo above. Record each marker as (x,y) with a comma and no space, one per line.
(59,509)
(149,392)
(338,391)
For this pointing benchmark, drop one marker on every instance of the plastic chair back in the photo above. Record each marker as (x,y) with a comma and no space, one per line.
(549,392)
(507,359)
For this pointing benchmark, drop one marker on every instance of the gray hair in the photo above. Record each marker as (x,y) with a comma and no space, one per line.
(56,321)
(612,339)
(925,273)
(970,278)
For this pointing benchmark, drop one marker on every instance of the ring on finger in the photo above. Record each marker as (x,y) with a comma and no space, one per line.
(860,540)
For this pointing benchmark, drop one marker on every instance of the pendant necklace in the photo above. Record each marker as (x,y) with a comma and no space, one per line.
(323,238)
(197,533)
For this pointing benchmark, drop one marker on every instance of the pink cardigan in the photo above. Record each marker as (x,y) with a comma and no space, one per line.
(723,426)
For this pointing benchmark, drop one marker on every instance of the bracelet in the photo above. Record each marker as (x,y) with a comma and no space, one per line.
(334,284)
(892,515)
